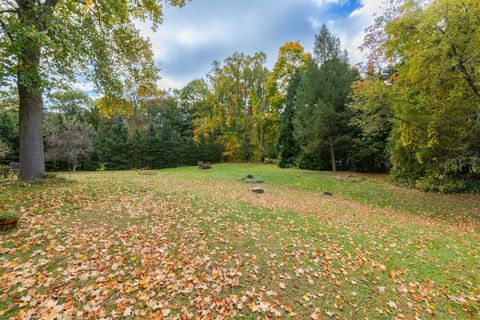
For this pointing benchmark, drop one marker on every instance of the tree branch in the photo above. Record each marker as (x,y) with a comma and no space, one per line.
(4,27)
(8,11)
(461,62)
(99,16)
(51,3)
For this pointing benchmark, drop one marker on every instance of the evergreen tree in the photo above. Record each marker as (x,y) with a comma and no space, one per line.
(322,118)
(287,145)
(209,149)
(307,96)
(9,136)
(137,144)
(112,144)
(151,149)
(168,152)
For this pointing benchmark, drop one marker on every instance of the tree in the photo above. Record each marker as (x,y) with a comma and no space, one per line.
(436,93)
(9,123)
(375,37)
(72,104)
(166,138)
(371,104)
(326,47)
(321,118)
(232,107)
(291,57)
(70,141)
(4,149)
(287,145)
(9,135)
(151,148)
(137,142)
(112,144)
(42,42)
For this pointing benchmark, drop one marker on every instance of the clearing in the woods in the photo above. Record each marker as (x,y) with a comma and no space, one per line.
(184,242)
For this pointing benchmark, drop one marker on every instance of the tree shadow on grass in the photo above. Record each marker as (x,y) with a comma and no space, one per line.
(50,180)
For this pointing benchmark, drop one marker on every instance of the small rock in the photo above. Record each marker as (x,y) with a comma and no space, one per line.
(257,190)
(326,193)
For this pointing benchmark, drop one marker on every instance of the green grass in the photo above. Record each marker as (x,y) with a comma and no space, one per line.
(372,189)
(186,242)
(8,214)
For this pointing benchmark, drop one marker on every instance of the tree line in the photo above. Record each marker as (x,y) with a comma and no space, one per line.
(79,137)
(412,109)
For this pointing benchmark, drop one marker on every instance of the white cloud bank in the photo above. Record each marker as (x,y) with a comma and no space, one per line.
(205,30)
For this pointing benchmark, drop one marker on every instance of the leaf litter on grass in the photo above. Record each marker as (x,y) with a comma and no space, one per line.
(123,245)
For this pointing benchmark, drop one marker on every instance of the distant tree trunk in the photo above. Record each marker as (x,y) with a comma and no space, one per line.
(334,160)
(32,159)
(74,163)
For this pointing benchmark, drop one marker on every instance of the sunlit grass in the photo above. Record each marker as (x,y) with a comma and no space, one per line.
(145,240)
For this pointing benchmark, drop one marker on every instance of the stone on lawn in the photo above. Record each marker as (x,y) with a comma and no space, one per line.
(257,190)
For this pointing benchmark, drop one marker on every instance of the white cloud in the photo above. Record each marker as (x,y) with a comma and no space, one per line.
(167,83)
(315,23)
(321,3)
(192,37)
(171,38)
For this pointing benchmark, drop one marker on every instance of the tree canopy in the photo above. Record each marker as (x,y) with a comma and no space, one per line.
(45,43)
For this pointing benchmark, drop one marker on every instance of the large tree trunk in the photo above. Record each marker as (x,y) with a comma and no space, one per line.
(32,161)
(29,84)
(31,15)
(334,160)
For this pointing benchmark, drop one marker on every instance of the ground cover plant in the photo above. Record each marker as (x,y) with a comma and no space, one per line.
(186,243)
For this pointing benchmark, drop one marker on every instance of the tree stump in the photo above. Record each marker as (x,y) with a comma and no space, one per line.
(8,221)
(204,165)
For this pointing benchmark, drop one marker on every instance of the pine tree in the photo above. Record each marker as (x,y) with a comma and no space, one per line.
(151,149)
(137,142)
(113,145)
(287,145)
(322,124)
(168,152)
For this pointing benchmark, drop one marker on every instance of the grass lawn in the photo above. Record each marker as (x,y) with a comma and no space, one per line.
(185,243)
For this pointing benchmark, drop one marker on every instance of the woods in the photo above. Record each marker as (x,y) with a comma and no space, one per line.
(409,110)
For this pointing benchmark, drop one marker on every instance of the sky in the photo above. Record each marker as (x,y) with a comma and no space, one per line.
(192,37)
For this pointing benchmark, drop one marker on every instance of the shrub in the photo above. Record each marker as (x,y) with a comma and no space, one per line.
(440,184)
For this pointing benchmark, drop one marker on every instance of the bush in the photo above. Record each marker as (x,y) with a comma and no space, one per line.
(440,184)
